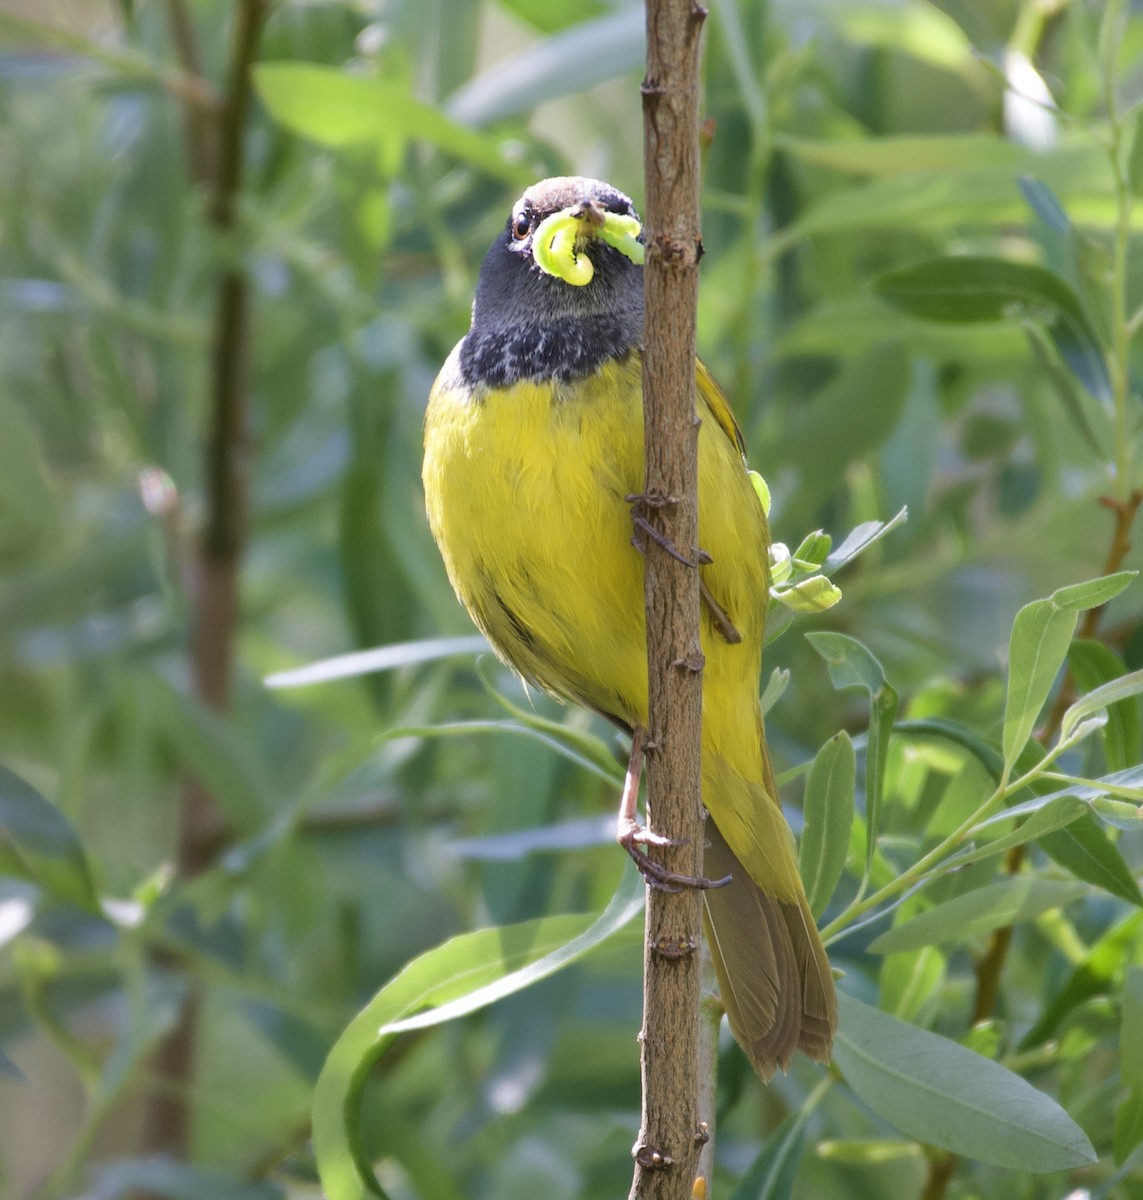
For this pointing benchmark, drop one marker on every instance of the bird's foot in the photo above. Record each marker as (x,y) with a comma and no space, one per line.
(643,503)
(633,837)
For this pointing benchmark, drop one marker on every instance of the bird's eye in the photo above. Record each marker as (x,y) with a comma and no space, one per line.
(521,227)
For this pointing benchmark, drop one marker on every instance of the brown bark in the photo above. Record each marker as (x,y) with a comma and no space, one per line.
(671,1135)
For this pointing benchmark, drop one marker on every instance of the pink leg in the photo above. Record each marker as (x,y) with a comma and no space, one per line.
(632,836)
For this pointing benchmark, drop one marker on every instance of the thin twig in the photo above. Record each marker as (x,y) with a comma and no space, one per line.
(672,1135)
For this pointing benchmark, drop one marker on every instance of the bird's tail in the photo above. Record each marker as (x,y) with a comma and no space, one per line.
(775,978)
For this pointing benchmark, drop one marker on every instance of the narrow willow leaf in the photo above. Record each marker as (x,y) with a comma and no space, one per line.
(1128,1133)
(852,665)
(1131,1022)
(1124,688)
(980,911)
(983,751)
(603,767)
(945,1095)
(777,683)
(860,538)
(37,842)
(465,974)
(335,108)
(211,750)
(382,658)
(771,1175)
(1083,848)
(972,288)
(1092,664)
(176,1181)
(1094,975)
(907,981)
(1039,643)
(1119,814)
(572,60)
(828,809)
(1047,816)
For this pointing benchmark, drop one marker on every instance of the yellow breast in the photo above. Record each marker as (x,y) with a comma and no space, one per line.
(526,492)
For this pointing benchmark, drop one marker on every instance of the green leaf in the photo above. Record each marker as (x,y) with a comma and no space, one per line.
(211,749)
(1093,666)
(1091,420)
(771,1175)
(330,106)
(945,1095)
(1084,850)
(27,499)
(176,1181)
(1039,643)
(975,288)
(39,843)
(981,911)
(860,538)
(1047,817)
(466,973)
(381,658)
(906,154)
(852,665)
(907,981)
(1094,975)
(566,64)
(828,809)
(1128,1133)
(1131,1022)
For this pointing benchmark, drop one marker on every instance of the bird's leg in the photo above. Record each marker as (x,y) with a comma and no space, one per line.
(633,837)
(640,503)
(722,622)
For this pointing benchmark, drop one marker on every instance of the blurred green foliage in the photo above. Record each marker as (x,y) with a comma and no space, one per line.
(853,147)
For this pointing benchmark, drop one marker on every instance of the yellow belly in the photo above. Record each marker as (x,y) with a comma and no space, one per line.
(526,492)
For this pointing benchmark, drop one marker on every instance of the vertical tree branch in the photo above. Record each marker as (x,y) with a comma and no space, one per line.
(214,603)
(670,1138)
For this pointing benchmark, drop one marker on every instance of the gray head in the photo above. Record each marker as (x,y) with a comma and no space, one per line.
(527,324)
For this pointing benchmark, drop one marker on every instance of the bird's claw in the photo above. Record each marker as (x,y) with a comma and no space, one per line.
(633,836)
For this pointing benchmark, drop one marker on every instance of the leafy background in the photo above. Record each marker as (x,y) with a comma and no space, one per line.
(846,143)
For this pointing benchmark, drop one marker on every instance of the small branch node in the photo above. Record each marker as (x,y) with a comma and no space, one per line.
(651,1159)
(702,1133)
(674,949)
(693,662)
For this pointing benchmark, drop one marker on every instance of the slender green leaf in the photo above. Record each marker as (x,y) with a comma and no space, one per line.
(211,749)
(176,1181)
(382,658)
(1131,1022)
(1039,643)
(860,538)
(771,1175)
(465,974)
(1083,848)
(1047,816)
(571,61)
(1128,1132)
(945,1095)
(39,843)
(981,911)
(852,665)
(335,108)
(976,288)
(1110,696)
(1091,419)
(907,981)
(1094,975)
(828,809)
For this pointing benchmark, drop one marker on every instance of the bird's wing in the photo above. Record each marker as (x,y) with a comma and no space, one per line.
(711,395)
